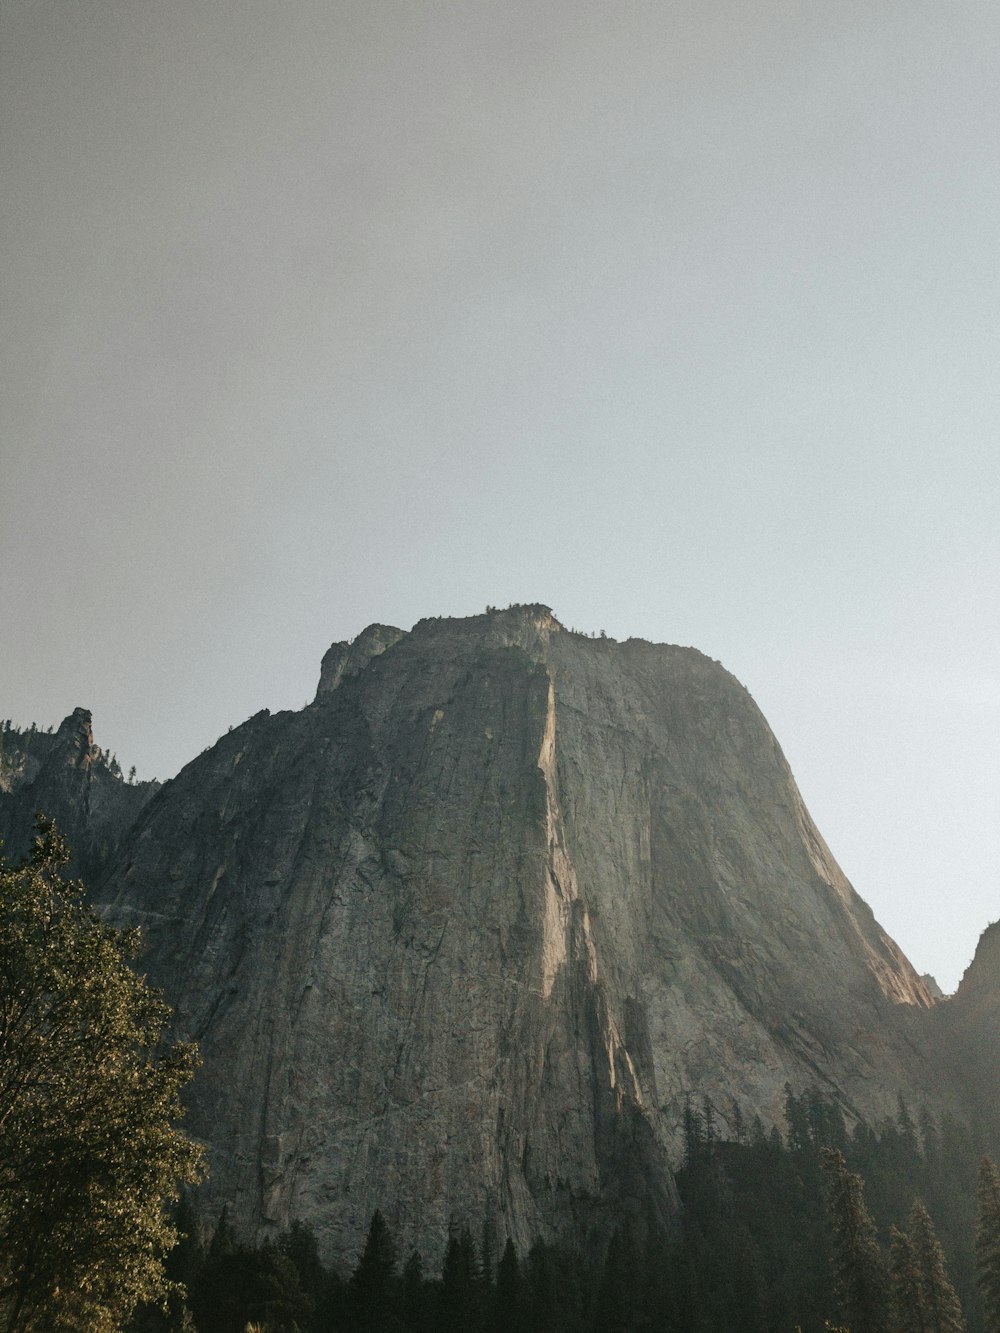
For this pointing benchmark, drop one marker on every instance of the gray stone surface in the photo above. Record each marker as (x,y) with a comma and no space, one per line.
(64,775)
(966,1038)
(458,938)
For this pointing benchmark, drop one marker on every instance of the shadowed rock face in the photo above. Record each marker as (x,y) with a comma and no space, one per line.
(967,1028)
(458,938)
(64,775)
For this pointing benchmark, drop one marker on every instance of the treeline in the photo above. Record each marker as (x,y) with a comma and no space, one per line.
(783,1232)
(816,1229)
(281,1286)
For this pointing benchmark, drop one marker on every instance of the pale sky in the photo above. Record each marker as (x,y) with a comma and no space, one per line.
(680,317)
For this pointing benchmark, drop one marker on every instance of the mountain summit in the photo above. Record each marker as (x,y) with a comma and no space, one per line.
(462,938)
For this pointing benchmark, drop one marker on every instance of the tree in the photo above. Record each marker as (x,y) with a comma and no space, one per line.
(859,1271)
(908,1309)
(509,1297)
(415,1304)
(988,1241)
(461,1282)
(90,1155)
(373,1282)
(618,1304)
(942,1308)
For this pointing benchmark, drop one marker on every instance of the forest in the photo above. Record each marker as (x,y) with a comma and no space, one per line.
(817,1229)
(828,1224)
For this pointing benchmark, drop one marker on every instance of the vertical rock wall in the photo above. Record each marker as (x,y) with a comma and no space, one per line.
(458,938)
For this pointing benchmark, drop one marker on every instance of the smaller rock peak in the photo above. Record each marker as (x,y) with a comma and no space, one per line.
(933,989)
(982,976)
(376,639)
(79,719)
(348,659)
(74,738)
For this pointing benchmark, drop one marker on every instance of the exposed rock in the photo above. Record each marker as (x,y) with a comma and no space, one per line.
(968,1036)
(933,989)
(347,659)
(981,981)
(458,938)
(67,777)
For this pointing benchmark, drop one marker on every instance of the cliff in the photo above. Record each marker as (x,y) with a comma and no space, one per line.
(64,775)
(458,938)
(967,1037)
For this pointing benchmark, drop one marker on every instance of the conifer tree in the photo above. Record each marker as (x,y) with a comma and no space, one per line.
(860,1278)
(988,1242)
(617,1305)
(461,1282)
(942,1309)
(298,1244)
(509,1297)
(908,1314)
(415,1308)
(373,1281)
(544,1298)
(223,1242)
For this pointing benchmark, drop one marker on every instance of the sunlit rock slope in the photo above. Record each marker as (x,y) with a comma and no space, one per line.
(458,938)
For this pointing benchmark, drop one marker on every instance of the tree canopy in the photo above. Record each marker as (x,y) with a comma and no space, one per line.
(90,1154)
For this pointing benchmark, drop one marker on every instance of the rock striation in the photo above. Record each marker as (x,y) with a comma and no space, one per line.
(459,938)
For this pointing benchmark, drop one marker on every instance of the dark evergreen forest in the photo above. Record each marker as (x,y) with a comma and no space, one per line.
(819,1228)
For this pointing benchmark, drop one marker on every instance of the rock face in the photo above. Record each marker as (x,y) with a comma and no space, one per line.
(933,989)
(66,776)
(458,938)
(967,1036)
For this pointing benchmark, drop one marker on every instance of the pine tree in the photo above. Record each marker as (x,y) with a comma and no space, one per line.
(299,1245)
(861,1283)
(223,1240)
(797,1119)
(373,1281)
(509,1296)
(544,1299)
(618,1298)
(461,1283)
(988,1242)
(909,1315)
(415,1301)
(943,1311)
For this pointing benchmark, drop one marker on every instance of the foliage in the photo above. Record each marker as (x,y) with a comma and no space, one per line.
(859,1269)
(752,1250)
(988,1241)
(923,1298)
(89,1151)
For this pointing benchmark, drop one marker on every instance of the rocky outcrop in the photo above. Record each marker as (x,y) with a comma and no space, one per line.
(65,776)
(347,659)
(967,1038)
(459,938)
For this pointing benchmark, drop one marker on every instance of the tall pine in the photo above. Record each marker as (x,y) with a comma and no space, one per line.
(923,1298)
(988,1242)
(908,1313)
(373,1282)
(943,1311)
(860,1279)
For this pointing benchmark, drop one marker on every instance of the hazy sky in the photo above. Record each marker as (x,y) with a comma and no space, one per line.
(680,317)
